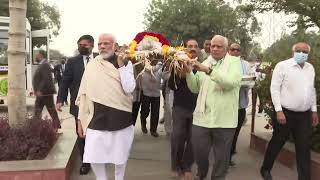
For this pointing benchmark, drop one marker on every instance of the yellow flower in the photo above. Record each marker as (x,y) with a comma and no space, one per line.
(180,48)
(132,48)
(151,37)
(165,49)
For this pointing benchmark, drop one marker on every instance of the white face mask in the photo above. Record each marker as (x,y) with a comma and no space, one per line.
(300,57)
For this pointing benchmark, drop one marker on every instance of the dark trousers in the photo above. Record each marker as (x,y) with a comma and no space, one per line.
(181,147)
(135,111)
(59,82)
(241,118)
(220,139)
(47,101)
(81,143)
(146,103)
(299,125)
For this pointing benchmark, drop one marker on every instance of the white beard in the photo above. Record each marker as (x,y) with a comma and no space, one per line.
(106,55)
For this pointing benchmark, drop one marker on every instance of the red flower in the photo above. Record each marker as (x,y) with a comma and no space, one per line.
(161,38)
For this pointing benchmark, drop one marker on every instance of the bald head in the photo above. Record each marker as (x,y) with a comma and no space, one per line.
(234,49)
(106,45)
(218,48)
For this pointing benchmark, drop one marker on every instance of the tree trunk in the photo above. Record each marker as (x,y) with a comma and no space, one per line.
(16,63)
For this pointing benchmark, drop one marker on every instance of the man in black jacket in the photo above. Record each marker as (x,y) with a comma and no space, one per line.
(71,80)
(58,71)
(184,103)
(44,89)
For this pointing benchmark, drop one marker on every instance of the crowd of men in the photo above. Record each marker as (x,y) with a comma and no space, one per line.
(204,109)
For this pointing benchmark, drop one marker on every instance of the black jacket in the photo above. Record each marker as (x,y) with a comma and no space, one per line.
(57,71)
(71,80)
(183,97)
(42,80)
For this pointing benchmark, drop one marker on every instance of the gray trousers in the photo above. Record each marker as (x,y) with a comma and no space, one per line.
(220,139)
(181,147)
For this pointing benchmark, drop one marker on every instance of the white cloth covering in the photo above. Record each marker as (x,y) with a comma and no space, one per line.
(108,146)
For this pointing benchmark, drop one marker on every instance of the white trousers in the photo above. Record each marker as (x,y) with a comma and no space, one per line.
(100,171)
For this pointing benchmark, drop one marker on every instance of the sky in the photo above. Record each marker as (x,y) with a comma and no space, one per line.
(124,19)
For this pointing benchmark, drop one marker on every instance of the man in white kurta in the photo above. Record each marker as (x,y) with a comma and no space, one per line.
(105,106)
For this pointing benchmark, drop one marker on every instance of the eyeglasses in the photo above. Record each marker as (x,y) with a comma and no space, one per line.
(235,50)
(299,51)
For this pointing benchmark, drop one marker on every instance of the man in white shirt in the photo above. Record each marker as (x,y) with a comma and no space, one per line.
(294,99)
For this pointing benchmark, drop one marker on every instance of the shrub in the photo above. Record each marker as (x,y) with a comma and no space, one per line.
(30,142)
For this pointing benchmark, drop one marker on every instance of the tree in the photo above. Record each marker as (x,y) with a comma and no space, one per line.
(40,15)
(16,58)
(56,55)
(308,9)
(180,20)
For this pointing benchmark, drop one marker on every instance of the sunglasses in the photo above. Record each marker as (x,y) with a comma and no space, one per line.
(299,51)
(235,50)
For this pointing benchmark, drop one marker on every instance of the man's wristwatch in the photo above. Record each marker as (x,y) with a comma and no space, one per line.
(209,72)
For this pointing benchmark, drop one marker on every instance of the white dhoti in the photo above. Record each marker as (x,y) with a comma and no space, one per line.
(108,146)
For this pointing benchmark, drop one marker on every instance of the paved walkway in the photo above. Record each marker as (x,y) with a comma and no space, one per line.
(150,160)
(150,157)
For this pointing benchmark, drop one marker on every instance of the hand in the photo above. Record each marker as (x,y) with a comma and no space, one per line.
(200,67)
(281,118)
(315,119)
(80,130)
(188,65)
(59,107)
(121,59)
(38,93)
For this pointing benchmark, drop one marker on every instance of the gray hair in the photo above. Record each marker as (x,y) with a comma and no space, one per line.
(225,43)
(295,45)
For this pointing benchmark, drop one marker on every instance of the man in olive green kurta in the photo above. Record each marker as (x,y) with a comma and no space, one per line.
(216,115)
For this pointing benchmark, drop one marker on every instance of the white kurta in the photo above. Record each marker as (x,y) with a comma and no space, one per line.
(108,146)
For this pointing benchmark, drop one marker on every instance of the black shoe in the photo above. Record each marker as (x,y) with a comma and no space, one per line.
(232,164)
(161,121)
(85,168)
(265,174)
(154,134)
(144,130)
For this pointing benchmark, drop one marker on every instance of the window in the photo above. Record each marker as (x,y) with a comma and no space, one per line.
(3,52)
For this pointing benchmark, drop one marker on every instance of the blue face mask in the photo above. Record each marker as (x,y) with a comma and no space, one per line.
(300,57)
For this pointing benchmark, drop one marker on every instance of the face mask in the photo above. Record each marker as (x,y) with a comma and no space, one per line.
(83,50)
(300,57)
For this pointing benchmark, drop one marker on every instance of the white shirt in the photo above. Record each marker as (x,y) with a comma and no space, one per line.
(85,61)
(128,81)
(292,86)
